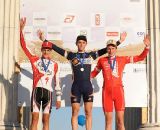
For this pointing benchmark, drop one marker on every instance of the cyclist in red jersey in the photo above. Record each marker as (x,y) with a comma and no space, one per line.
(45,72)
(112,68)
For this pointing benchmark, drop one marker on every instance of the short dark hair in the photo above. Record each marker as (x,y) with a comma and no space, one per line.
(81,37)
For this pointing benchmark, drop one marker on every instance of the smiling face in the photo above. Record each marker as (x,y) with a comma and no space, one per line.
(81,44)
(111,49)
(46,53)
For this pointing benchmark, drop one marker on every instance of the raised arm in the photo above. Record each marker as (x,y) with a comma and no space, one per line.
(96,54)
(123,36)
(57,87)
(57,49)
(143,55)
(22,41)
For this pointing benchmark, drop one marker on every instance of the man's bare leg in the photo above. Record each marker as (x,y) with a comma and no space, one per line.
(35,117)
(88,112)
(120,120)
(108,120)
(45,120)
(75,111)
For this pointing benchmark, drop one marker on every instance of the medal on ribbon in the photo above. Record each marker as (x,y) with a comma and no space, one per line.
(45,67)
(81,60)
(112,64)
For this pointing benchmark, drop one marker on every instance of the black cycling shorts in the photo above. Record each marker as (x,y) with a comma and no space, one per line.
(41,95)
(81,89)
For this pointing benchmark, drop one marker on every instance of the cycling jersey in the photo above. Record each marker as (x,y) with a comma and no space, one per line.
(45,78)
(81,68)
(112,85)
(80,62)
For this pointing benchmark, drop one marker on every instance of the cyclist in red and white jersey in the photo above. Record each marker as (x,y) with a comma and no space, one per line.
(45,76)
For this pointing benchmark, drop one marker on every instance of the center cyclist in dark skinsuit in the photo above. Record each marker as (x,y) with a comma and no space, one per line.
(81,66)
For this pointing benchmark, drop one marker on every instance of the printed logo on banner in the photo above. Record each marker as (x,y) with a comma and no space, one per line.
(140,34)
(28,32)
(97,19)
(134,0)
(69,18)
(39,19)
(138,70)
(113,34)
(127,20)
(83,32)
(54,33)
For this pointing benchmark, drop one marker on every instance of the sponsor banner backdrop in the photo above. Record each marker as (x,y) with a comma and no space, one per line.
(61,21)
